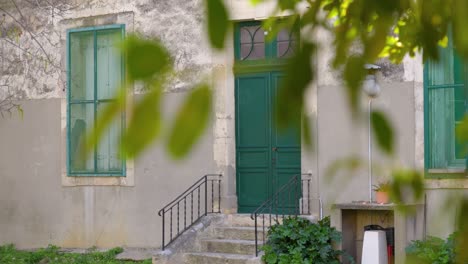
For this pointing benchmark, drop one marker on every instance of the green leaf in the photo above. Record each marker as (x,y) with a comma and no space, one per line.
(349,164)
(405,180)
(191,121)
(271,258)
(299,75)
(145,58)
(383,131)
(145,123)
(20,111)
(217,23)
(105,118)
(287,4)
(460,23)
(306,133)
(255,2)
(354,74)
(462,134)
(462,235)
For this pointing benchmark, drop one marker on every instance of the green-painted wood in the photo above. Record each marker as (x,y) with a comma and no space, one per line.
(427,148)
(270,46)
(246,67)
(447,175)
(95,72)
(267,157)
(287,154)
(253,140)
(444,107)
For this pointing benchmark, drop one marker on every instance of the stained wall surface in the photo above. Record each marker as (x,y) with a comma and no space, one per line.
(37,209)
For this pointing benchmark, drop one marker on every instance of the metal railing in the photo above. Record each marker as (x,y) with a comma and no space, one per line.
(291,199)
(197,200)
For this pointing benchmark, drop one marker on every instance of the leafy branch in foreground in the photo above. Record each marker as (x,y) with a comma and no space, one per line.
(149,64)
(363,31)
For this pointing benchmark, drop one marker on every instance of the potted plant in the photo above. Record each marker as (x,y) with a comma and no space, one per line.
(382,191)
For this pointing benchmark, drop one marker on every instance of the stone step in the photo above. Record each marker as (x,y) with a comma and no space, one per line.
(244,220)
(246,247)
(238,232)
(220,258)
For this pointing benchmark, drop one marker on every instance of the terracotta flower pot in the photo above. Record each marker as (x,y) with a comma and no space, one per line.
(382,197)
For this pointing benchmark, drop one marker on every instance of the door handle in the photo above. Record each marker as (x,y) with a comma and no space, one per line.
(274,149)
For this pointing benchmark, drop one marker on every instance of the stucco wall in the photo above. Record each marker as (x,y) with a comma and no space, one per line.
(339,137)
(34,68)
(36,210)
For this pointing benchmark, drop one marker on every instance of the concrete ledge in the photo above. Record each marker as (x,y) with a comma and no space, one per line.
(446,184)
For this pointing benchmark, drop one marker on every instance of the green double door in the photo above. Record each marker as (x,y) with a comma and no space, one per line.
(267,157)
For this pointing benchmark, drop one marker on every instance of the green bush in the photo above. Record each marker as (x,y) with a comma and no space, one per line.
(298,241)
(433,250)
(52,255)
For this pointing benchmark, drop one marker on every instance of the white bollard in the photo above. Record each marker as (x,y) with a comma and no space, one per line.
(374,249)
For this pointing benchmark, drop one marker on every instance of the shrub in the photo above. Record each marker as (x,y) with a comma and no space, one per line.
(297,240)
(433,250)
(53,255)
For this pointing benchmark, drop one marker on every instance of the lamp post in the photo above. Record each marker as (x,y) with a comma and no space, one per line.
(372,89)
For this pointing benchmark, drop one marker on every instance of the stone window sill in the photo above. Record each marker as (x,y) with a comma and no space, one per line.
(434,184)
(446,171)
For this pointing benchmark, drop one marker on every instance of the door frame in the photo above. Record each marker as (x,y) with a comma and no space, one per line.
(269,64)
(272,184)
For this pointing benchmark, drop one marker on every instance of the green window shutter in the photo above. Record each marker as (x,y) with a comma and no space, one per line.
(446,107)
(109,79)
(95,73)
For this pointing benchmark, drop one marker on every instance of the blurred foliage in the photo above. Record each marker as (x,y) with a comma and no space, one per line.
(436,250)
(461,239)
(190,121)
(363,31)
(407,187)
(149,64)
(217,22)
(383,131)
(432,250)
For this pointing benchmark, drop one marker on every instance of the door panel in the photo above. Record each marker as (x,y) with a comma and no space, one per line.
(252,140)
(287,154)
(267,157)
(252,94)
(254,187)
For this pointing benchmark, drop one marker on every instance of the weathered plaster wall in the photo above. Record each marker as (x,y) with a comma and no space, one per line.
(341,137)
(36,210)
(36,69)
(442,214)
(30,66)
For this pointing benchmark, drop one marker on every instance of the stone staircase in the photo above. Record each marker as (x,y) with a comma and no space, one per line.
(227,239)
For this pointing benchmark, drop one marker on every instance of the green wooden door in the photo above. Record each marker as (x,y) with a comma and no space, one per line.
(286,151)
(266,156)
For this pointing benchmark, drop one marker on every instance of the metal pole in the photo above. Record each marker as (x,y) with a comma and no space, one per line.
(321,208)
(256,238)
(370,151)
(163,229)
(206,195)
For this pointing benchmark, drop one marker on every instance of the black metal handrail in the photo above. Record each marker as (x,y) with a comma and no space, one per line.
(285,202)
(196,194)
